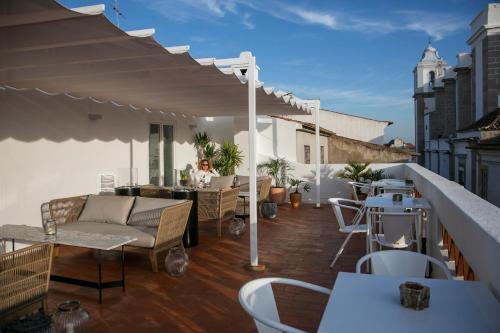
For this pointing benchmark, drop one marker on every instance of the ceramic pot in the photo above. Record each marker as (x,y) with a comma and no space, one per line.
(295,199)
(277,195)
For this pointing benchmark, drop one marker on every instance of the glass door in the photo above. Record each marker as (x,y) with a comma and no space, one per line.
(161,160)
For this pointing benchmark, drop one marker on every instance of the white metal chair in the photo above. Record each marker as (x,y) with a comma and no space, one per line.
(394,227)
(354,227)
(400,263)
(397,230)
(362,187)
(257,298)
(357,206)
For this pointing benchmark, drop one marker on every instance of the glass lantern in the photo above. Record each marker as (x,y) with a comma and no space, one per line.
(176,261)
(237,227)
(50,227)
(70,317)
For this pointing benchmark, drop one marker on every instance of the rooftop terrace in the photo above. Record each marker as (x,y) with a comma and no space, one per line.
(299,244)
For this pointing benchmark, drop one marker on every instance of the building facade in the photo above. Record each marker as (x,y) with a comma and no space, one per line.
(457,110)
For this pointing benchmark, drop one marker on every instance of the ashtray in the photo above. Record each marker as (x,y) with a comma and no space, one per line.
(414,295)
(397,197)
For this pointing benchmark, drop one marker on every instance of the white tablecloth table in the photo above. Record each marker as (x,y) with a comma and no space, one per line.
(370,303)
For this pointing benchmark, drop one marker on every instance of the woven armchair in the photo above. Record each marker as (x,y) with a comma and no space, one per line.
(169,233)
(217,205)
(263,187)
(24,279)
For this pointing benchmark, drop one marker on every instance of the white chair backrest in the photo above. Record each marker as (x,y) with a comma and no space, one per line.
(257,298)
(400,263)
(362,187)
(396,225)
(338,204)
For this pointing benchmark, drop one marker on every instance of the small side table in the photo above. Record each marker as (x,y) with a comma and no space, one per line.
(133,191)
(244,196)
(190,237)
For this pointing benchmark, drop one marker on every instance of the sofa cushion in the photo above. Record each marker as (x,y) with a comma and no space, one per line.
(145,235)
(147,211)
(221,182)
(107,209)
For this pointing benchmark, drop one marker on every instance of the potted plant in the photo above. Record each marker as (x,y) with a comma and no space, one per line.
(296,196)
(201,140)
(277,169)
(357,172)
(227,158)
(184,176)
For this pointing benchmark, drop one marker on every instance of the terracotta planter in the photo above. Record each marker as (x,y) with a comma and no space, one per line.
(277,195)
(295,199)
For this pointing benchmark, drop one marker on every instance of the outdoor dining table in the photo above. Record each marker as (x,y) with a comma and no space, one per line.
(391,184)
(370,303)
(377,202)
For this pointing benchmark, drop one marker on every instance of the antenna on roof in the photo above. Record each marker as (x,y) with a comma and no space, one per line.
(118,13)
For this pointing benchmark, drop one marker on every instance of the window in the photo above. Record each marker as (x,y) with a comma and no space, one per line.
(161,155)
(483,182)
(432,77)
(322,151)
(461,170)
(307,154)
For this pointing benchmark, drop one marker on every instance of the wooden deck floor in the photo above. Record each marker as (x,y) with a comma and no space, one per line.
(299,244)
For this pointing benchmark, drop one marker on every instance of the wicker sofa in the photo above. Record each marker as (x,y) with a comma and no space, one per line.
(217,205)
(158,224)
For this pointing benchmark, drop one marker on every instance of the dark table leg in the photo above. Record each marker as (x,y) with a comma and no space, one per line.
(123,267)
(99,284)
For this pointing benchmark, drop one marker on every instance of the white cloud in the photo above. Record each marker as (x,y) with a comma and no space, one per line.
(437,25)
(313,17)
(247,22)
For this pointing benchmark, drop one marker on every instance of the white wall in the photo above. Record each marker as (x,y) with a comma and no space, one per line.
(50,149)
(331,186)
(304,138)
(349,126)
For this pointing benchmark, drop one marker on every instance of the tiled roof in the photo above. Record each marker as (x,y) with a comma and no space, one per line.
(489,122)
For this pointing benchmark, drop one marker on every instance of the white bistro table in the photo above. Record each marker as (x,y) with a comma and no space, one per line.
(391,184)
(370,303)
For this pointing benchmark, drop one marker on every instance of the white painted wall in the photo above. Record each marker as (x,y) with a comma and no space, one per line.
(331,186)
(349,126)
(50,149)
(309,139)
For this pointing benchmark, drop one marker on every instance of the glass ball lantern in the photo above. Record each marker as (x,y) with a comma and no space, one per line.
(71,317)
(237,227)
(176,261)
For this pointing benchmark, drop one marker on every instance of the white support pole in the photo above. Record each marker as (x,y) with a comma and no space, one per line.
(252,144)
(318,153)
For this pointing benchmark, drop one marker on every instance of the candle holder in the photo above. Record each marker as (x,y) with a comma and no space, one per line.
(414,295)
(50,227)
(176,261)
(237,227)
(71,317)
(397,197)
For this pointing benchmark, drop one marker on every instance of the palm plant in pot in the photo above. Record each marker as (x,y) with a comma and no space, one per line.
(201,140)
(296,196)
(277,169)
(227,158)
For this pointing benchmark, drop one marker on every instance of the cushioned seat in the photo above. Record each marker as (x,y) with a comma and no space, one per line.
(145,235)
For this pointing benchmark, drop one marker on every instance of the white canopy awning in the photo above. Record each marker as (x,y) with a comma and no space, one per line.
(44,45)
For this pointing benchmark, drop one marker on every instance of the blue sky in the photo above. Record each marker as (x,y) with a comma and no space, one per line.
(356,56)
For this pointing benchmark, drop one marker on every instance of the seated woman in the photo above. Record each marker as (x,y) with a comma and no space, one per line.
(204,174)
